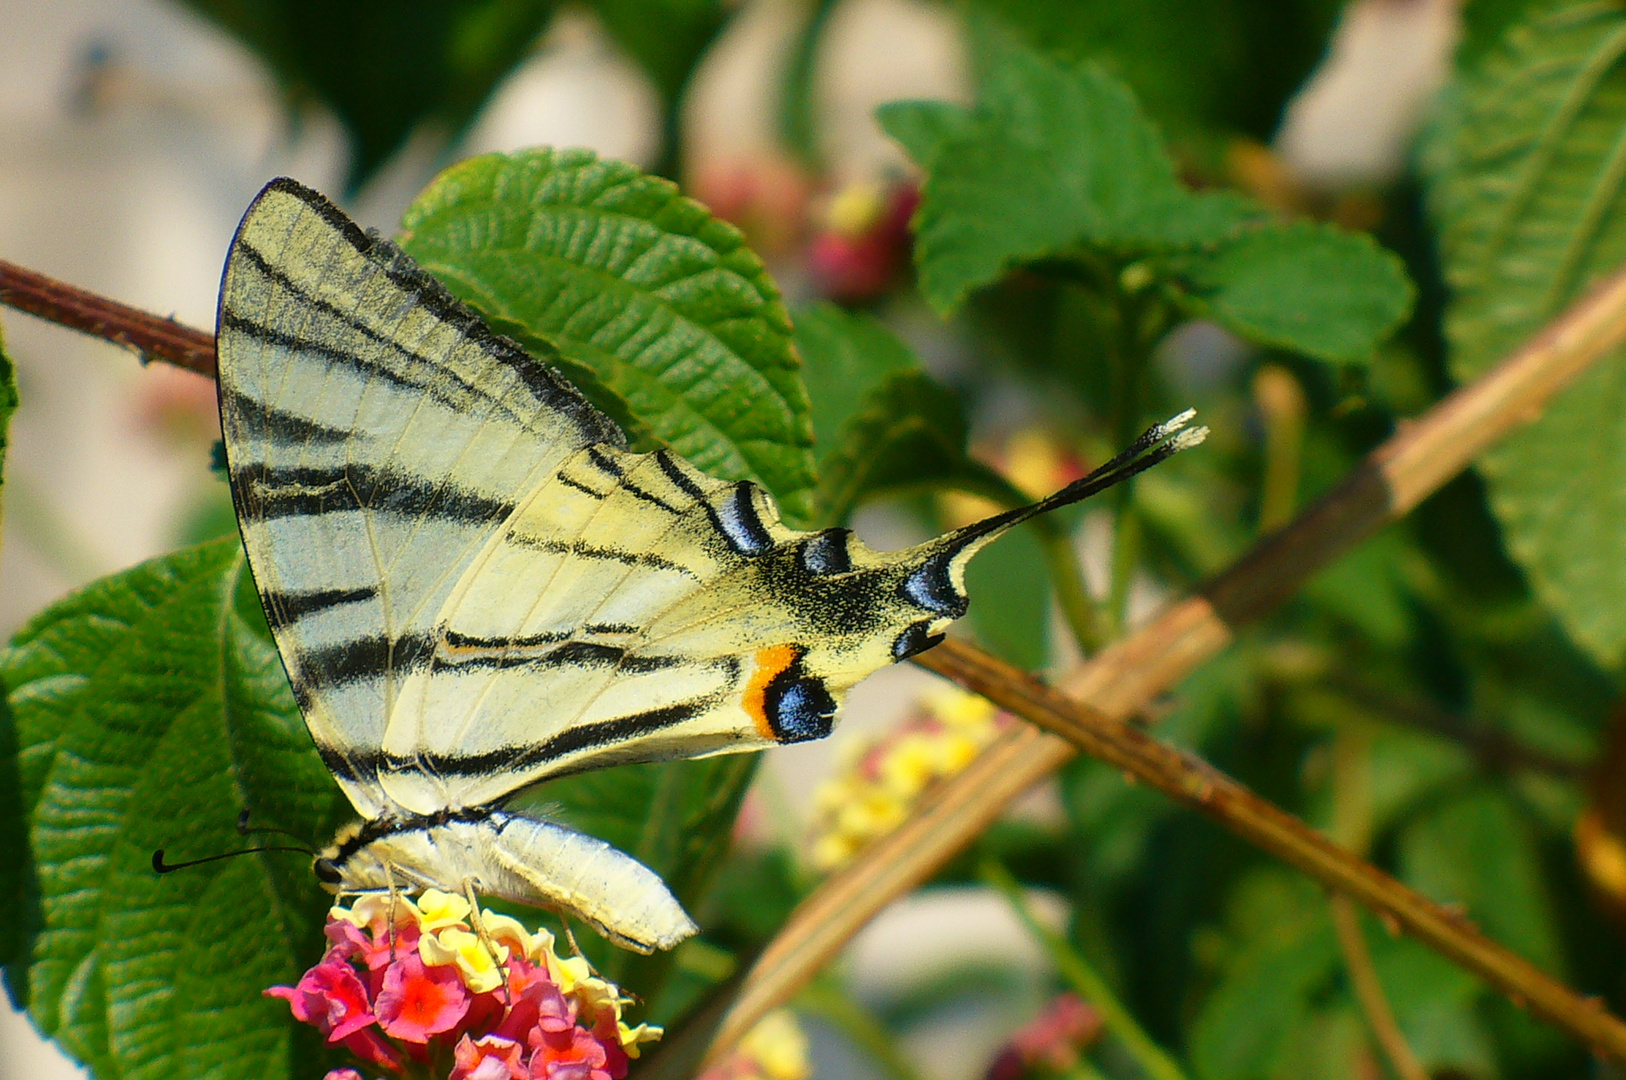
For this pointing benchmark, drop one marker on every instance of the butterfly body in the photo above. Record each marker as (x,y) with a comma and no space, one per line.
(475,587)
(514,857)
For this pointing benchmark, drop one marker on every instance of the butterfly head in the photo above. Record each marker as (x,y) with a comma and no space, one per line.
(330,863)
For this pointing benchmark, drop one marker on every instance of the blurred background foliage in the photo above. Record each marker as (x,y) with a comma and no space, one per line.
(1105,231)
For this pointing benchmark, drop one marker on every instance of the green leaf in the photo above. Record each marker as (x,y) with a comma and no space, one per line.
(1285,955)
(19,891)
(1058,167)
(1435,1002)
(1050,158)
(149,713)
(386,66)
(922,128)
(629,279)
(1527,173)
(846,357)
(908,437)
(1478,850)
(1197,64)
(1314,289)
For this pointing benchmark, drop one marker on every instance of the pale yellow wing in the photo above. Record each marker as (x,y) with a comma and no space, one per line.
(377,436)
(634,609)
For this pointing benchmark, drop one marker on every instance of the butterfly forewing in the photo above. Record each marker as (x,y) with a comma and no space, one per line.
(377,434)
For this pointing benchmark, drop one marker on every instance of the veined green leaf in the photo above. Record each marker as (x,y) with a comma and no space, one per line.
(626,277)
(1050,158)
(1317,290)
(149,713)
(1527,173)
(1058,167)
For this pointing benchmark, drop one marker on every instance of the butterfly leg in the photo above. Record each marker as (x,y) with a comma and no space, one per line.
(477,921)
(389,879)
(575,949)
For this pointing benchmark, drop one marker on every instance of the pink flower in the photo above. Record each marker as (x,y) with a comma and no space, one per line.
(572,1054)
(419,1001)
(342,1074)
(372,950)
(491,1058)
(330,998)
(536,1003)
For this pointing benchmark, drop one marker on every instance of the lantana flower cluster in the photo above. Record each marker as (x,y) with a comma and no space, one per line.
(878,781)
(427,999)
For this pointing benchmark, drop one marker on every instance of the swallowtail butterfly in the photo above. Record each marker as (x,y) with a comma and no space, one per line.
(475,587)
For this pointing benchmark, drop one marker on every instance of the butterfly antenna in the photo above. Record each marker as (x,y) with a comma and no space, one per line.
(159,866)
(243,829)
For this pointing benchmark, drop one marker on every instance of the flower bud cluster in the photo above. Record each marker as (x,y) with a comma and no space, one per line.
(879,780)
(427,997)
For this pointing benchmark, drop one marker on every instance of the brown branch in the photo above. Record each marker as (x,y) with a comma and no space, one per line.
(1393,479)
(1363,977)
(152,336)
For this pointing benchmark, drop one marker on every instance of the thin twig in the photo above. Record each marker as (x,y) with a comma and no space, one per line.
(1399,474)
(1346,922)
(153,336)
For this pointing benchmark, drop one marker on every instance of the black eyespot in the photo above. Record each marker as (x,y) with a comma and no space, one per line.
(929,586)
(914,640)
(741,524)
(802,710)
(327,872)
(826,553)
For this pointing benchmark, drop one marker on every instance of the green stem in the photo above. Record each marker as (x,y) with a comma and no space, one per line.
(1072,595)
(1151,1058)
(825,998)
(1126,537)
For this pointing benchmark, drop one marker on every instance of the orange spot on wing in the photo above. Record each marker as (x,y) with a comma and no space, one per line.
(770,662)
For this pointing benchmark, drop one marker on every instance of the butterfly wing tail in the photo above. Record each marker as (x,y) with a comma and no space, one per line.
(578,875)
(938,581)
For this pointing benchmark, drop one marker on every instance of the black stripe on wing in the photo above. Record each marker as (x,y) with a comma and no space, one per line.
(286,491)
(341,663)
(520,759)
(283,608)
(462,652)
(546,386)
(584,550)
(736,520)
(259,421)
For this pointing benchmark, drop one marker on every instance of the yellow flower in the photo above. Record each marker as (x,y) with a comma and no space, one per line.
(454,945)
(372,912)
(441,909)
(879,781)
(632,1038)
